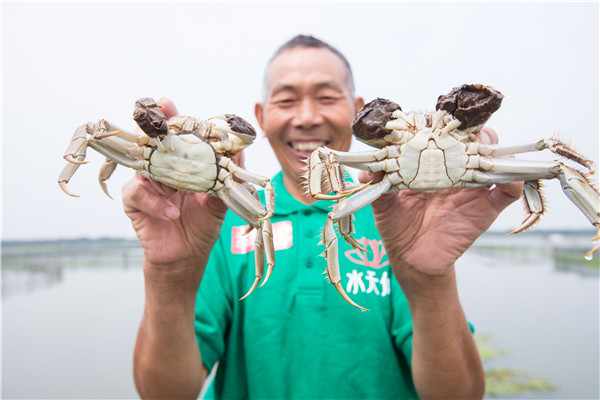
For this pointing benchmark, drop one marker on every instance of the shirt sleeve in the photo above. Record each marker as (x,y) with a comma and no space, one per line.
(214,307)
(402,327)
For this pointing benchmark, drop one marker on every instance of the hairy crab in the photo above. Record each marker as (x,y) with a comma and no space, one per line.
(433,150)
(185,153)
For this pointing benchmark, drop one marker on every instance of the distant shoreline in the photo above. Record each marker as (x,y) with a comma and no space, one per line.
(70,241)
(531,233)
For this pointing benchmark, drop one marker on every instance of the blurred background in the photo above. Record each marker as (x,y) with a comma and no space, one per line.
(72,286)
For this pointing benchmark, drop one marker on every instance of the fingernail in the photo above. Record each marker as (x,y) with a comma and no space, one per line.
(171,213)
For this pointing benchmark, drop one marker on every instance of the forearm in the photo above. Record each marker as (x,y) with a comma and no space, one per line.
(167,361)
(445,360)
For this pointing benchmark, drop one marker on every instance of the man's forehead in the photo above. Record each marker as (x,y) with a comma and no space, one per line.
(327,68)
(282,85)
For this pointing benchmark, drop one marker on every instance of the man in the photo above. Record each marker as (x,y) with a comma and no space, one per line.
(296,337)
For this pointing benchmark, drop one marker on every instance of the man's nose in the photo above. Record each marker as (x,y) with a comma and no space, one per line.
(307,113)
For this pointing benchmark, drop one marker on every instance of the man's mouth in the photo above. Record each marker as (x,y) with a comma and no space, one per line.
(307,146)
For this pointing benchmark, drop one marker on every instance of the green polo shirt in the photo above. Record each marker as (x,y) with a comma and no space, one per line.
(296,337)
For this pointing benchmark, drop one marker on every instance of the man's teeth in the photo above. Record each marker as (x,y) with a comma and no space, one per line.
(307,146)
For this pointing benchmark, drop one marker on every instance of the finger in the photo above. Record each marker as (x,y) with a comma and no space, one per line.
(366,176)
(140,195)
(487,136)
(502,195)
(240,159)
(168,107)
(161,188)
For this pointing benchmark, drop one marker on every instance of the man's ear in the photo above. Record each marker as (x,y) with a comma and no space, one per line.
(258,113)
(358,103)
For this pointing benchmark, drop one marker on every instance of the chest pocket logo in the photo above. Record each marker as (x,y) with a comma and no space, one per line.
(241,243)
(376,251)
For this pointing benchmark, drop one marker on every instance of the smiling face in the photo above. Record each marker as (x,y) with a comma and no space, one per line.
(308,103)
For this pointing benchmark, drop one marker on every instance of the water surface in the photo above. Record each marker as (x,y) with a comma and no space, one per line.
(71,312)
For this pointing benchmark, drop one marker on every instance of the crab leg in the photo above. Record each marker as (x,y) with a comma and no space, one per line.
(267,233)
(334,173)
(66,175)
(75,155)
(259,261)
(119,157)
(346,229)
(351,204)
(534,205)
(245,198)
(140,138)
(253,178)
(584,196)
(575,185)
(267,238)
(342,213)
(245,138)
(314,173)
(331,255)
(106,170)
(75,152)
(263,244)
(553,145)
(238,208)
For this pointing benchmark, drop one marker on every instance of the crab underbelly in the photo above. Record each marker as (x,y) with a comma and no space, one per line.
(434,169)
(191,166)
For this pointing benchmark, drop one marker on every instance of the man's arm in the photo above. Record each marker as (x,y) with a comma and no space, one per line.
(177,231)
(424,234)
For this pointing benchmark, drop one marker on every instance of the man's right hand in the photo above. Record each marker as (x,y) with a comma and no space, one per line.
(177,230)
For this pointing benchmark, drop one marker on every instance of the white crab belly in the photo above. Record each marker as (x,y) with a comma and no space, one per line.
(191,166)
(433,168)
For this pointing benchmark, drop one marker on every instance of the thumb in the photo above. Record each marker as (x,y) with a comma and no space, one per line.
(373,177)
(168,107)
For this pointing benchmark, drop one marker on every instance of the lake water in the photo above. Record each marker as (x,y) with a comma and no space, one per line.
(71,312)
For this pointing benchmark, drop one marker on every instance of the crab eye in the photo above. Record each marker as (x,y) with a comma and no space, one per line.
(371,119)
(471,104)
(240,125)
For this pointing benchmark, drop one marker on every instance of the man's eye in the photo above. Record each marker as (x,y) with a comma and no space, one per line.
(285,102)
(327,99)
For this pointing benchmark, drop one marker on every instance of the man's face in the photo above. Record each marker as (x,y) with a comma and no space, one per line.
(308,104)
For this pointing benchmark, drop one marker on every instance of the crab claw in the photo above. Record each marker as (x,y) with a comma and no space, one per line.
(596,247)
(106,170)
(63,186)
(267,232)
(534,205)
(333,268)
(342,194)
(72,160)
(472,105)
(348,299)
(259,261)
(102,135)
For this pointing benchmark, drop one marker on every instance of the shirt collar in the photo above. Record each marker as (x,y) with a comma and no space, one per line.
(286,204)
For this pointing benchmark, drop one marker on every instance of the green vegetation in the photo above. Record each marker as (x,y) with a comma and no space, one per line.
(486,350)
(501,382)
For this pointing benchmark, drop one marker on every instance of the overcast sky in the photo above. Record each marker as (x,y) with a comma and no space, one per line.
(64,64)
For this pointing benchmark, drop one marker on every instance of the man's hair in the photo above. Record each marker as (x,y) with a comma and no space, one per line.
(310,41)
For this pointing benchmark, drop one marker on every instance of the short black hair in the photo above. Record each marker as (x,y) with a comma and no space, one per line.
(311,41)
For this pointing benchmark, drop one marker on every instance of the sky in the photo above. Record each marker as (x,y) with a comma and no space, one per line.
(64,64)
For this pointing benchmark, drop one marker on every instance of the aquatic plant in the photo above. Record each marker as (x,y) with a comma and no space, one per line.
(501,382)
